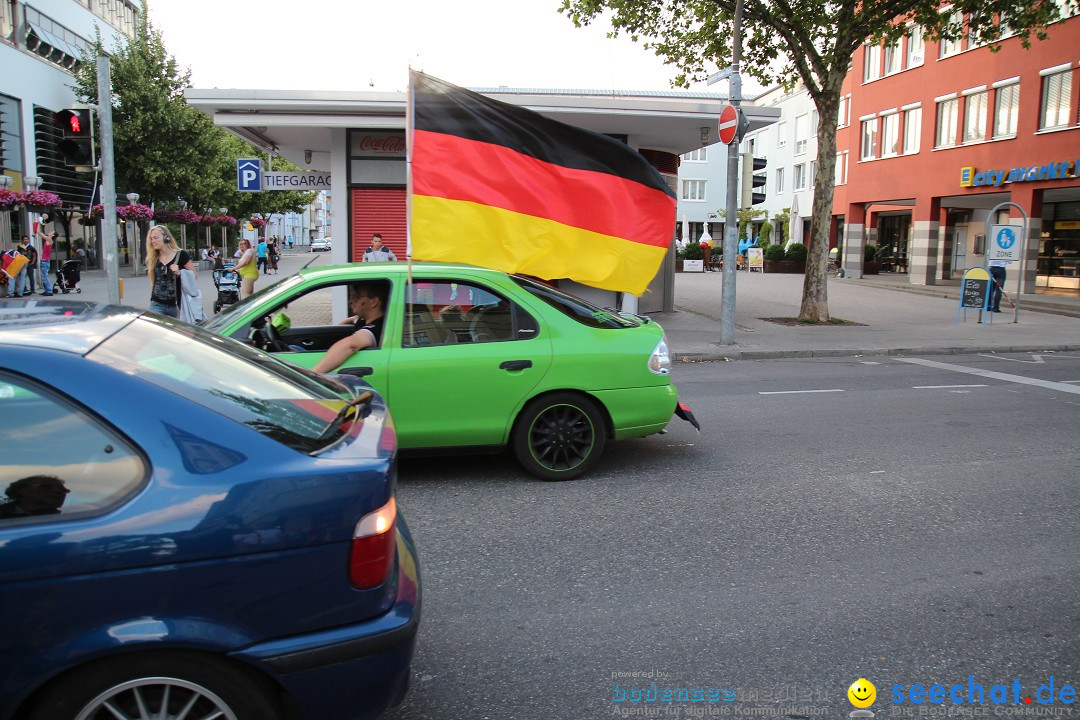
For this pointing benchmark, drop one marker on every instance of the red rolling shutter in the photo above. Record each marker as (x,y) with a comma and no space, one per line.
(377,210)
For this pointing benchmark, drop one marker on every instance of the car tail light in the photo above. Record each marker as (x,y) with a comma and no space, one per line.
(372,552)
(660,360)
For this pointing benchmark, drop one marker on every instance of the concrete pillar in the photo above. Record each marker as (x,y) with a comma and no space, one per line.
(925,242)
(854,239)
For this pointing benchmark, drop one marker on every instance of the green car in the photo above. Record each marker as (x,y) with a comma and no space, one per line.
(471,357)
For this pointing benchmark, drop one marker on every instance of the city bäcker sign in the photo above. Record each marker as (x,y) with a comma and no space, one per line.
(1065,170)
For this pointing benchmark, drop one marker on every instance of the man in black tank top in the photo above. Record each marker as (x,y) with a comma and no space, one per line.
(367,302)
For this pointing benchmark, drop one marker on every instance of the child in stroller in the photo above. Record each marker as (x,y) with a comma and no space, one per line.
(68,275)
(227,282)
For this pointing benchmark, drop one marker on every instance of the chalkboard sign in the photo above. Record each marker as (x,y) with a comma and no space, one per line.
(973,293)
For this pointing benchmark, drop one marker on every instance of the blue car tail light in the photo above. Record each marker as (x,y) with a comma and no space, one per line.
(372,554)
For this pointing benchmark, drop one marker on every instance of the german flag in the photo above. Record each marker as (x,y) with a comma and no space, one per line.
(499,186)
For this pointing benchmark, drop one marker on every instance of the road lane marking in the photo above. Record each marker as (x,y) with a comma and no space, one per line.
(937,387)
(1004,377)
(1035,359)
(794,392)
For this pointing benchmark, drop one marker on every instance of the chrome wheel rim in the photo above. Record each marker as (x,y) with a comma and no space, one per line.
(157,698)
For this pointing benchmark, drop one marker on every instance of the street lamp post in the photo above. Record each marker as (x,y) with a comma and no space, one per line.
(5,216)
(183,226)
(223,211)
(32,184)
(132,198)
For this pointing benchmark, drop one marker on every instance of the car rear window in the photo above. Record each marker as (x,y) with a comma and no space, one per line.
(253,388)
(574,307)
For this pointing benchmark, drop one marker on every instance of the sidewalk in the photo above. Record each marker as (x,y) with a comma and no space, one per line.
(893,317)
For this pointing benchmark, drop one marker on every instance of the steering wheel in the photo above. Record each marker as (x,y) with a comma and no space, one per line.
(273,340)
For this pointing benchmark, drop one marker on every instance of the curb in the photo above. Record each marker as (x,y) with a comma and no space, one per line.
(730,355)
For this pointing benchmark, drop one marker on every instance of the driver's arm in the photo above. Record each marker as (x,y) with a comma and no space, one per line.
(343,349)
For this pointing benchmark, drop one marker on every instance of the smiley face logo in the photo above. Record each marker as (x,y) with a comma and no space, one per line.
(862,693)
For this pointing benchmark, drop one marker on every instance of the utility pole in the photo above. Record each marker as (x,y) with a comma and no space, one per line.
(108,182)
(731,217)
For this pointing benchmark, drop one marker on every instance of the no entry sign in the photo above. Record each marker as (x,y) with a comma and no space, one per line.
(729,124)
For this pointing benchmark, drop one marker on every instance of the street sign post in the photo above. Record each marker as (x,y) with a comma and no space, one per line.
(730,124)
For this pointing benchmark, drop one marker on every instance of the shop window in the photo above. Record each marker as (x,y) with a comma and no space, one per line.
(1006,110)
(946,123)
(975,117)
(1056,99)
(912,130)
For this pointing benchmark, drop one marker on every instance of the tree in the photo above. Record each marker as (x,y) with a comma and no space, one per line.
(163,146)
(812,42)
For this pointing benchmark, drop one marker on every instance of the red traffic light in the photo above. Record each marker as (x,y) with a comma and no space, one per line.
(74,122)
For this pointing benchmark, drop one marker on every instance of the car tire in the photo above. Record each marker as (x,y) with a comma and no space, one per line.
(213,686)
(559,436)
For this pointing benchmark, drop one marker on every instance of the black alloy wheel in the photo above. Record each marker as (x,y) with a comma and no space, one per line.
(559,436)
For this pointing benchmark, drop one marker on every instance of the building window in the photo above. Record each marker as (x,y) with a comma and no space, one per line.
(1056,97)
(975,117)
(1006,110)
(953,46)
(890,134)
(912,130)
(779,180)
(840,175)
(695,156)
(842,111)
(894,54)
(781,134)
(10,136)
(872,58)
(813,173)
(53,41)
(813,123)
(693,190)
(916,47)
(121,14)
(801,127)
(946,123)
(869,139)
(800,176)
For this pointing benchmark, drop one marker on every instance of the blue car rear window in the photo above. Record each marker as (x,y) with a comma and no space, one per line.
(230,378)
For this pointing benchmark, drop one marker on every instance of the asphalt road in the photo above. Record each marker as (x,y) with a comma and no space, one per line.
(836,518)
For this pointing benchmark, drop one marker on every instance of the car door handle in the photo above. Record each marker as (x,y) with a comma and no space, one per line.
(515,365)
(307,343)
(357,371)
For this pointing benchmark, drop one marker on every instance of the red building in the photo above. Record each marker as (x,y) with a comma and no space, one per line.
(934,135)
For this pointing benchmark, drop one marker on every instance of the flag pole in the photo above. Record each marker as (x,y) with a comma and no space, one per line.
(408,201)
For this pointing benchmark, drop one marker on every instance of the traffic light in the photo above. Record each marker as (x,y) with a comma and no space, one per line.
(77,145)
(753,177)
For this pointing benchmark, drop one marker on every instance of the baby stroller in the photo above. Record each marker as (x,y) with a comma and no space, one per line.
(227,282)
(68,276)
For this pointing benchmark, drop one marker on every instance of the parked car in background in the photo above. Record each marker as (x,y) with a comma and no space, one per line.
(191,528)
(320,245)
(477,358)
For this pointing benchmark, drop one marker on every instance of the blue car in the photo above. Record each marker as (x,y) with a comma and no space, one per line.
(190,528)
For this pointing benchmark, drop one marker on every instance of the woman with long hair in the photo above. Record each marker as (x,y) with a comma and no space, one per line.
(247,267)
(164,260)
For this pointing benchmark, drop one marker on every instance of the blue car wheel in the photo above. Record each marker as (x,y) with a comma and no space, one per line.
(158,685)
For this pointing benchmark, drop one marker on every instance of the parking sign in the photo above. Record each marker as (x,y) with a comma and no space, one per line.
(248,174)
(1004,243)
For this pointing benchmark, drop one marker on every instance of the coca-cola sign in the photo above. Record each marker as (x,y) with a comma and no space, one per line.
(369,144)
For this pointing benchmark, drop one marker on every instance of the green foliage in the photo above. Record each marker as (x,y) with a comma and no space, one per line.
(811,43)
(796,252)
(765,234)
(869,253)
(164,148)
(773,252)
(692,251)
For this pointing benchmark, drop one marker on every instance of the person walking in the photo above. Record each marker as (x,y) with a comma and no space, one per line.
(376,252)
(248,268)
(272,254)
(997,272)
(45,259)
(164,260)
(31,266)
(262,252)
